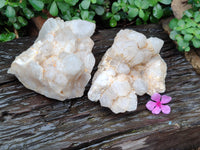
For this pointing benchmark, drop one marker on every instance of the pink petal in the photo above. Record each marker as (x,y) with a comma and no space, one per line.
(156,110)
(165,109)
(165,99)
(150,105)
(156,97)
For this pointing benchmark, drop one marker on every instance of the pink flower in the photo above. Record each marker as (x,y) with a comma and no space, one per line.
(156,106)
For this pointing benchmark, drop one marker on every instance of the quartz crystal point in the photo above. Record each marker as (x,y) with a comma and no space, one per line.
(59,63)
(132,66)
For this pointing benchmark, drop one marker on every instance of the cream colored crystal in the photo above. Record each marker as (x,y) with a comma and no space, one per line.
(59,63)
(132,66)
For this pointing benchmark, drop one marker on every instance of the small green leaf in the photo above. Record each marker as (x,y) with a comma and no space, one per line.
(141,13)
(138,21)
(181,23)
(166,2)
(188,37)
(71,2)
(22,21)
(196,42)
(53,9)
(153,19)
(108,15)
(28,13)
(85,4)
(84,14)
(99,10)
(157,11)
(116,17)
(191,30)
(2,3)
(187,49)
(100,2)
(138,3)
(37,4)
(115,7)
(197,16)
(188,13)
(152,2)
(173,35)
(113,22)
(93,1)
(173,23)
(182,44)
(10,12)
(4,37)
(17,26)
(131,2)
(64,7)
(144,4)
(13,19)
(132,12)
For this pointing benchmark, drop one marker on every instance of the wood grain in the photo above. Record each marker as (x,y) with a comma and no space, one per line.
(31,121)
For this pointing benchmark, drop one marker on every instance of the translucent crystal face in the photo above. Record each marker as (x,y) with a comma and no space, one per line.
(59,63)
(132,66)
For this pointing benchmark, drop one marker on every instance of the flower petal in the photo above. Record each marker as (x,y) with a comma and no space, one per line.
(156,97)
(165,99)
(165,109)
(156,110)
(150,105)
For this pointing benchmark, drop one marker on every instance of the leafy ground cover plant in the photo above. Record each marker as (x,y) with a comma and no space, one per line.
(15,14)
(186,31)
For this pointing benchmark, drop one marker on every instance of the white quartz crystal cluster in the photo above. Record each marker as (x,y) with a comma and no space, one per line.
(132,66)
(59,63)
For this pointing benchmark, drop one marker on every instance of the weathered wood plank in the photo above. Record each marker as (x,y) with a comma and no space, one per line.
(31,121)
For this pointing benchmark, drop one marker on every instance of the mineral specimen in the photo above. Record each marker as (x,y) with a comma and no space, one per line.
(132,66)
(59,63)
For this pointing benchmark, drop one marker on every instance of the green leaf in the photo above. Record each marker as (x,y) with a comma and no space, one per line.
(197,16)
(138,4)
(196,42)
(187,49)
(85,4)
(115,7)
(53,9)
(188,13)
(17,26)
(116,17)
(4,37)
(64,7)
(91,15)
(157,11)
(153,19)
(28,13)
(152,2)
(138,21)
(181,23)
(132,12)
(182,44)
(100,2)
(166,2)
(10,12)
(2,3)
(22,21)
(108,15)
(13,19)
(131,2)
(141,13)
(188,37)
(173,35)
(191,30)
(37,4)
(144,4)
(99,10)
(93,1)
(113,22)
(173,23)
(71,2)
(84,14)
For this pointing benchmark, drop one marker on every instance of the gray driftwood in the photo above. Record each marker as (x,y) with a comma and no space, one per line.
(30,121)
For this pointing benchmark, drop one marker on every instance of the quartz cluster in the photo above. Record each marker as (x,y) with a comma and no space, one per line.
(131,67)
(59,63)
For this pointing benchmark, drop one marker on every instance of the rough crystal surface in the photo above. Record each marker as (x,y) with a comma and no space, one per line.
(59,63)
(131,67)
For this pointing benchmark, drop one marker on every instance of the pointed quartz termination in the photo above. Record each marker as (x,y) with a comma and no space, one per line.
(59,63)
(132,66)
